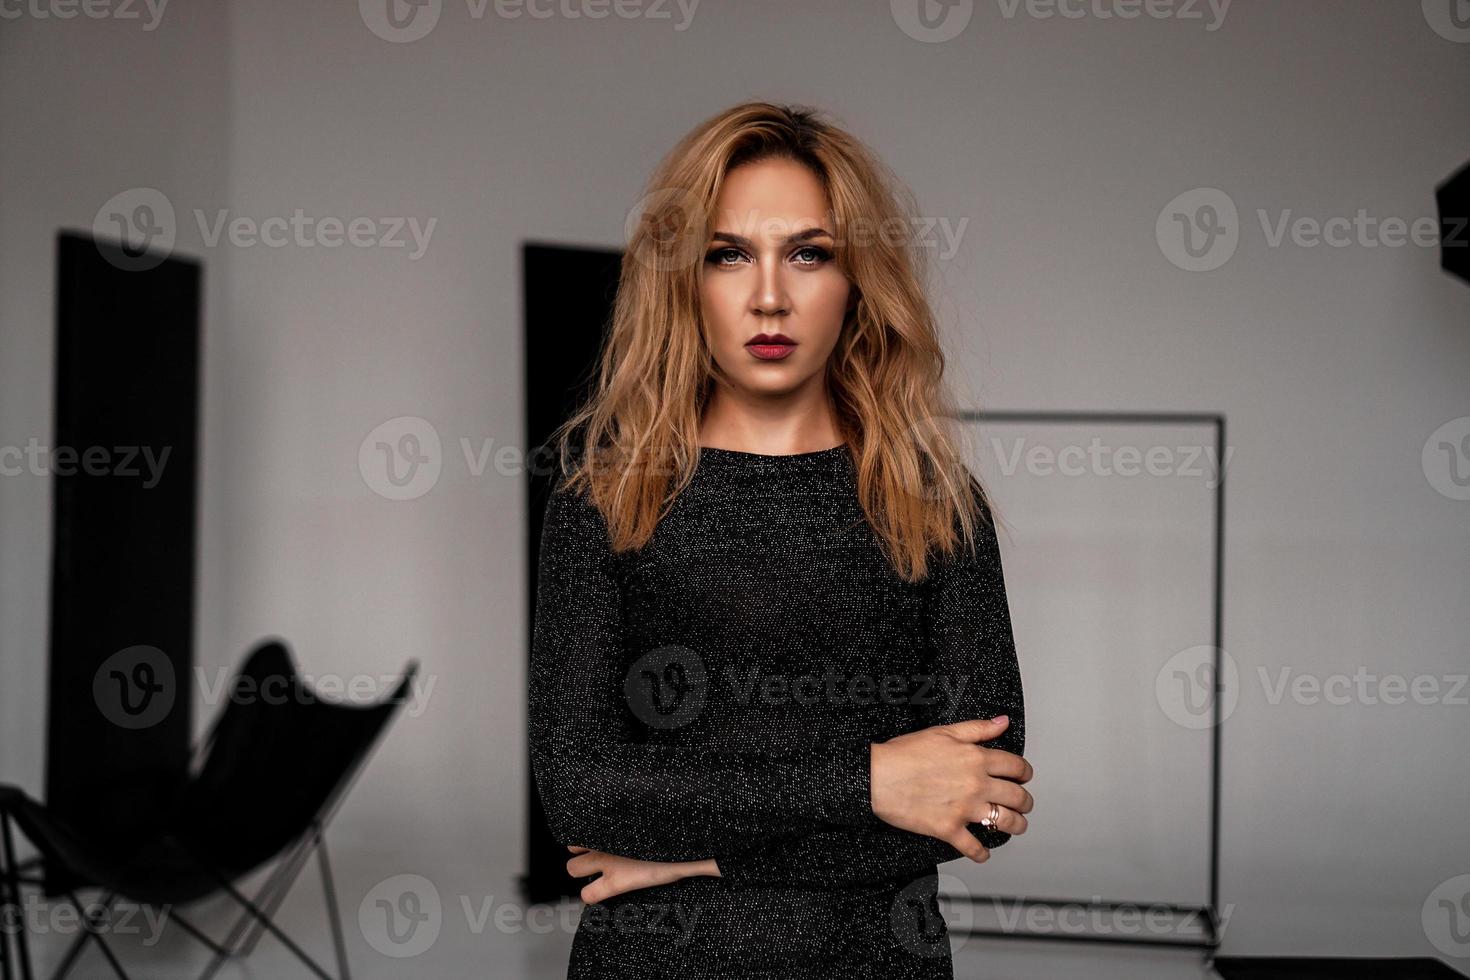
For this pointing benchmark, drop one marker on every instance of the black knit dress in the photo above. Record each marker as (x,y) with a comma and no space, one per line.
(714,695)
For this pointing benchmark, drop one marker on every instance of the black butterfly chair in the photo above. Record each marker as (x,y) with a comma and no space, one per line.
(273,769)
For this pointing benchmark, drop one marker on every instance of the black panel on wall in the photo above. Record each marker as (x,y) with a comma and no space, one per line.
(569,295)
(124,473)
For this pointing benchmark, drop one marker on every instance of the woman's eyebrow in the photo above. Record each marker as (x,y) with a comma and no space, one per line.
(800,236)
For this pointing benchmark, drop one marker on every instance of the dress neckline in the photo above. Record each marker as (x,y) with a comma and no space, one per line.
(738,454)
(833,460)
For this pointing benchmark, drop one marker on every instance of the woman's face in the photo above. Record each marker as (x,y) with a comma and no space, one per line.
(773,297)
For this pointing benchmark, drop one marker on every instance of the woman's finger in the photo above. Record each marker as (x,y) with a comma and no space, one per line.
(969,845)
(1008,820)
(602,889)
(583,865)
(575,849)
(1008,765)
(1003,792)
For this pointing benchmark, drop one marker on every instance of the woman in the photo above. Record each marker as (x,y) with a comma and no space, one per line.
(773,683)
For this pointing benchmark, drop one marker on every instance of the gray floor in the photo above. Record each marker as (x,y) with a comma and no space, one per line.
(544,958)
(490,939)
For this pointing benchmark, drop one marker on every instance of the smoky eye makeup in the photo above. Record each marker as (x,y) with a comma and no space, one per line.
(815,255)
(715,256)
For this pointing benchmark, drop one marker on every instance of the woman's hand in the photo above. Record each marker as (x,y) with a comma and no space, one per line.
(937,781)
(620,874)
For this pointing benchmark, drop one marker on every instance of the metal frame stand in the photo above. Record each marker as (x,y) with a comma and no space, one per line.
(1209,911)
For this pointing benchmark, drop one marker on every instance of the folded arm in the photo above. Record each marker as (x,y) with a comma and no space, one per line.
(967,619)
(603,790)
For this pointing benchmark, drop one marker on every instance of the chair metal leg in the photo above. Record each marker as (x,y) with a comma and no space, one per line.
(72,952)
(215,962)
(13,897)
(198,934)
(270,926)
(77,945)
(239,942)
(334,917)
(9,902)
(88,929)
(5,928)
(270,897)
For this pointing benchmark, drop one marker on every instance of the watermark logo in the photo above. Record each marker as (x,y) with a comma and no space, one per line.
(1363,687)
(308,689)
(932,21)
(400,21)
(143,224)
(1450,19)
(667,687)
(405,457)
(401,459)
(1186,686)
(404,916)
(135,688)
(401,917)
(663,229)
(920,924)
(1446,916)
(1198,230)
(309,231)
(1446,459)
(141,221)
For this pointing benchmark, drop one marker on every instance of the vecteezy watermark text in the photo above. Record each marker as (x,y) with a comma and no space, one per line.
(404,21)
(307,231)
(121,461)
(832,687)
(39,916)
(91,9)
(137,687)
(1200,230)
(1097,459)
(143,224)
(403,916)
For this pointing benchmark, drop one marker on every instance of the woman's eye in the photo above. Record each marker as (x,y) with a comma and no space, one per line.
(719,255)
(807,255)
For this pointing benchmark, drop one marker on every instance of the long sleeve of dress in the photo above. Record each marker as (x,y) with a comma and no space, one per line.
(969,626)
(604,790)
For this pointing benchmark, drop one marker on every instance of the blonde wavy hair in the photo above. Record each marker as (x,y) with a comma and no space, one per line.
(636,436)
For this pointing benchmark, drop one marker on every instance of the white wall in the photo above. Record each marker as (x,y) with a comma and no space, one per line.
(1059,140)
(94,107)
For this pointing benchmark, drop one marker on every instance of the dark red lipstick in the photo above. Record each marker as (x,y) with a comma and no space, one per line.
(770,346)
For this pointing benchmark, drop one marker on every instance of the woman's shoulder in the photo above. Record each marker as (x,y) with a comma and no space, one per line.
(571,511)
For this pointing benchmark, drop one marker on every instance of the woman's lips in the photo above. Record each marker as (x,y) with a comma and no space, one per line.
(770,352)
